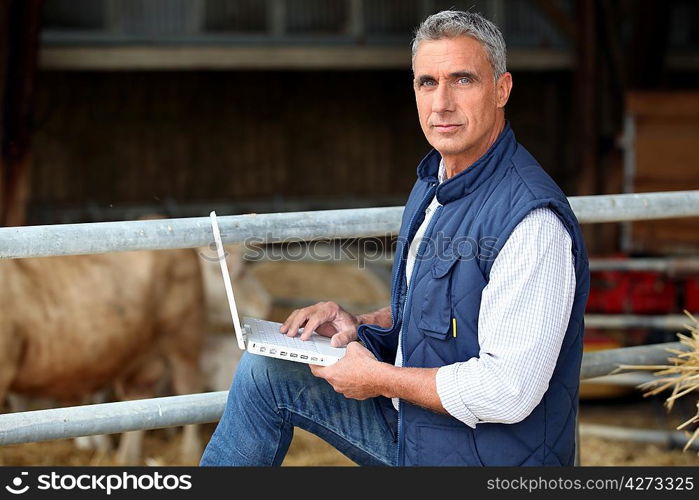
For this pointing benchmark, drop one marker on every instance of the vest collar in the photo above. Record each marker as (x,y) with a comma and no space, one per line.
(470,179)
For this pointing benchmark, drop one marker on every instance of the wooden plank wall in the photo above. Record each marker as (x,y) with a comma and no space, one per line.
(192,136)
(667,134)
(141,137)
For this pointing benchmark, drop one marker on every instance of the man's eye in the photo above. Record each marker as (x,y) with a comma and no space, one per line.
(463,80)
(427,83)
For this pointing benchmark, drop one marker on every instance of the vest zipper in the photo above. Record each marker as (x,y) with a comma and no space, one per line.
(423,206)
(394,286)
(394,283)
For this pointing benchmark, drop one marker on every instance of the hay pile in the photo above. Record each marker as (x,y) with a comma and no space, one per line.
(682,377)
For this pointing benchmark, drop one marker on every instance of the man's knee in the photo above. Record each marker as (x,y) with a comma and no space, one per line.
(262,374)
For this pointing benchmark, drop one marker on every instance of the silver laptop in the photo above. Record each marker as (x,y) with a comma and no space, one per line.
(263,337)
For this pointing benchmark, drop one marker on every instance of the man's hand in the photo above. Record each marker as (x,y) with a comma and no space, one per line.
(327,319)
(359,375)
(356,375)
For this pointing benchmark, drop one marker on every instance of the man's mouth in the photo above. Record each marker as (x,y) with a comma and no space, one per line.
(446,127)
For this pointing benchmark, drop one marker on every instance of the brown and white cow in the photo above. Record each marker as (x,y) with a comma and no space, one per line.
(72,326)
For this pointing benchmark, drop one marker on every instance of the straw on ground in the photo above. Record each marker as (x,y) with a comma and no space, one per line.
(681,377)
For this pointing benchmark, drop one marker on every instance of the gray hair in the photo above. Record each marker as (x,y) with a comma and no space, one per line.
(454,23)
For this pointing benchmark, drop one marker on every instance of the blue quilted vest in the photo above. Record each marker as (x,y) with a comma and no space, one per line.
(480,208)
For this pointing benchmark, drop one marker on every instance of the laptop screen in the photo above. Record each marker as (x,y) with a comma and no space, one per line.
(227,281)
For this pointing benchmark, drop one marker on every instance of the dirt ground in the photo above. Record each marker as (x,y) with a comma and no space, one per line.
(634,411)
(345,283)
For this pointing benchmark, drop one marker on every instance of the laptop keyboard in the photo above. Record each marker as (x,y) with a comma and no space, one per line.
(269,332)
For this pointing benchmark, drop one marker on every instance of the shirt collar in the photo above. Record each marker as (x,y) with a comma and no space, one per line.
(470,179)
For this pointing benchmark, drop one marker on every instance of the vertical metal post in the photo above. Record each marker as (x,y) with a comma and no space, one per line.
(576,461)
(112,17)
(355,20)
(497,13)
(629,147)
(196,18)
(19,49)
(276,18)
(585,113)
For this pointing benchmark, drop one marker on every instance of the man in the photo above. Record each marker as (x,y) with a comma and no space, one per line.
(477,359)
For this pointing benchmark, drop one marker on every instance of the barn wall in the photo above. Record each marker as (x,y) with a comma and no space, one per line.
(110,138)
(664,153)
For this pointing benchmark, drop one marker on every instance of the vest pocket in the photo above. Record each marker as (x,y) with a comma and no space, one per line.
(440,445)
(436,315)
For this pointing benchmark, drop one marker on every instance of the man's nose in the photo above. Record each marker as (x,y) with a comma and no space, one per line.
(443,99)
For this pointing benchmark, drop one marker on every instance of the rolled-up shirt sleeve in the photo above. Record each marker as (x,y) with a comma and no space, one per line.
(524,314)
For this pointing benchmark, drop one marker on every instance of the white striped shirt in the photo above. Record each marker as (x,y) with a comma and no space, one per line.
(524,314)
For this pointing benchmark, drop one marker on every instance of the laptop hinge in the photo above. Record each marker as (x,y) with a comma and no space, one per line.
(246,332)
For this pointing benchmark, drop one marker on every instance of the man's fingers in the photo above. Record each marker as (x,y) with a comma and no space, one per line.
(317,370)
(285,326)
(297,323)
(338,340)
(310,326)
(315,314)
(342,339)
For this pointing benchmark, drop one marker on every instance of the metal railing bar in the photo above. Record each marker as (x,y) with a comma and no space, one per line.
(162,234)
(107,418)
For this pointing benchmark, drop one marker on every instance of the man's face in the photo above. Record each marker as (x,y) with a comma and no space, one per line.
(459,103)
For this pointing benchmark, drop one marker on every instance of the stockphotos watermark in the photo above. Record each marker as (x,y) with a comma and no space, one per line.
(99,482)
(360,250)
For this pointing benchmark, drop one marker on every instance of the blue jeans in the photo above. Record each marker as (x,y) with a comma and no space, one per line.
(270,396)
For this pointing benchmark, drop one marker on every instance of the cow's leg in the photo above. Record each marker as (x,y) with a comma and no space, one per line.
(130,445)
(101,443)
(181,323)
(186,379)
(140,383)
(11,349)
(16,403)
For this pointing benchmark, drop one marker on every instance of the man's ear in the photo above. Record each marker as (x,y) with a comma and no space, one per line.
(503,88)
